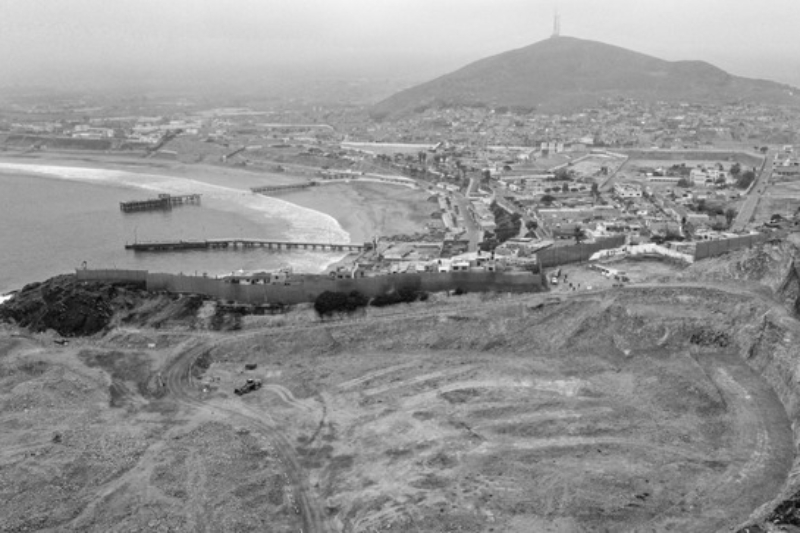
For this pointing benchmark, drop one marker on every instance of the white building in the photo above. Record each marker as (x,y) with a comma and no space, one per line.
(625,190)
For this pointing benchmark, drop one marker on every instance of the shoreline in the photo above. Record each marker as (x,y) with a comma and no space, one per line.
(361,209)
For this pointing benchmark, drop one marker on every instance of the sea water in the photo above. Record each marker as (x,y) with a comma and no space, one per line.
(54,219)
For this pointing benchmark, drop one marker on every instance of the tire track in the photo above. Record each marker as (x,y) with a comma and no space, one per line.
(181,386)
(288,397)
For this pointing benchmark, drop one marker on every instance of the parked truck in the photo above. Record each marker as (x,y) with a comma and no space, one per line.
(249,386)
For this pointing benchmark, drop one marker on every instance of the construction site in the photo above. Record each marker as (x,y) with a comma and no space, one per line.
(668,404)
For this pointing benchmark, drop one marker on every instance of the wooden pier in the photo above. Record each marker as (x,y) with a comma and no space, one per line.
(233,244)
(266,189)
(162,203)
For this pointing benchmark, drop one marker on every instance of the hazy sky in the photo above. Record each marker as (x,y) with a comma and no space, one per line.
(56,40)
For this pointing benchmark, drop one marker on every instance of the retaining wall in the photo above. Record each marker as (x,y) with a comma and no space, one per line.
(723,246)
(113,275)
(743,158)
(307,291)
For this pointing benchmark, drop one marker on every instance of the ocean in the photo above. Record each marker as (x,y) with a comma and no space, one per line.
(53,219)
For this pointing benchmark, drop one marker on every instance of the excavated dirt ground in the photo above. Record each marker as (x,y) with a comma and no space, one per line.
(629,409)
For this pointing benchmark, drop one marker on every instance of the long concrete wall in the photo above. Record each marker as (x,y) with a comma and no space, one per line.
(113,275)
(743,158)
(307,291)
(723,246)
(576,253)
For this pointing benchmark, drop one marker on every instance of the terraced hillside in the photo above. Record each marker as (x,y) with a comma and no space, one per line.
(651,408)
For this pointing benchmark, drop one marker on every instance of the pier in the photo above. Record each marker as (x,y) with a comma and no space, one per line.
(163,202)
(266,189)
(233,244)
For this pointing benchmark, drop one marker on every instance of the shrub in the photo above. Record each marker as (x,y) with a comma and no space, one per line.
(330,302)
(404,295)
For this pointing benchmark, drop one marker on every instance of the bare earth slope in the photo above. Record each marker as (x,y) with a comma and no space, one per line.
(663,407)
(565,73)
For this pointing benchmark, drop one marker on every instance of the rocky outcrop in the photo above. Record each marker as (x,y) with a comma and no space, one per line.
(63,305)
(73,308)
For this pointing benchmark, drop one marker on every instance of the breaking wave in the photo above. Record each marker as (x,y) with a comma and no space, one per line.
(302,224)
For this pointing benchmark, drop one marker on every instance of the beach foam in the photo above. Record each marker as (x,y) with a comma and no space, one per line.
(304,224)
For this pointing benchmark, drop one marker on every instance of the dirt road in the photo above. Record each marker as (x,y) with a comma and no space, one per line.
(182,387)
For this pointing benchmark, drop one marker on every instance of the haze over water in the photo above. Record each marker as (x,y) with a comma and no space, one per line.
(51,226)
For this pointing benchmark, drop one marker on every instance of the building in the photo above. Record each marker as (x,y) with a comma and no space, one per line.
(664,179)
(707,177)
(624,190)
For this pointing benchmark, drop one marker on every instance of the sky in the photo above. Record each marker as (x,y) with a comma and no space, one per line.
(120,41)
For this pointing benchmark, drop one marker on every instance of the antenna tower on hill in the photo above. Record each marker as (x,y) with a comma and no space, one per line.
(556,25)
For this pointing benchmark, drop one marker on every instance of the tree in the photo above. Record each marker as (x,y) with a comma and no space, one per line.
(562,174)
(683,182)
(547,199)
(746,179)
(579,235)
(730,214)
(565,188)
(595,190)
(736,169)
(330,302)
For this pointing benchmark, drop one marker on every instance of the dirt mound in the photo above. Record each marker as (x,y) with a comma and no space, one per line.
(766,264)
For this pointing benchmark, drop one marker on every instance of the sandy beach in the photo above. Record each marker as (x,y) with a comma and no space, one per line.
(363,209)
(367,209)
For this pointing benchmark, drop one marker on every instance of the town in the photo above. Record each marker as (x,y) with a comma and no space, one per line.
(357,267)
(508,189)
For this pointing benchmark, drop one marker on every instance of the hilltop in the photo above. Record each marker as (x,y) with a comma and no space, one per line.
(564,73)
(666,403)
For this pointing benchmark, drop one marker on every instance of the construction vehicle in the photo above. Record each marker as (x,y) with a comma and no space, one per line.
(249,386)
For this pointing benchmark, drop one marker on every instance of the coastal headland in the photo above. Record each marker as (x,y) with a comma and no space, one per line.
(667,404)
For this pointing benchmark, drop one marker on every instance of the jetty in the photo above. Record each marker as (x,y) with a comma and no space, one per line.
(237,243)
(266,189)
(163,202)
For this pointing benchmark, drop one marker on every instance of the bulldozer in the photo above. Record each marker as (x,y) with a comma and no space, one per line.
(249,386)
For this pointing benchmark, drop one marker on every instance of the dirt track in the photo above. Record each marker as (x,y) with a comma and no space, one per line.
(182,387)
(607,410)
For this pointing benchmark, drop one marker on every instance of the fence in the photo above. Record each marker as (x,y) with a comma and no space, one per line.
(562,255)
(308,290)
(723,246)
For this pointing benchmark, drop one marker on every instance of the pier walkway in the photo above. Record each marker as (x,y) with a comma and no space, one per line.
(278,188)
(237,243)
(163,202)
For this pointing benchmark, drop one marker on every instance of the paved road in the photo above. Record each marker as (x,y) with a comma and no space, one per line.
(748,208)
(473,232)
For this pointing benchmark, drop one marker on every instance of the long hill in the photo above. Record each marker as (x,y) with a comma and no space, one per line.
(564,73)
